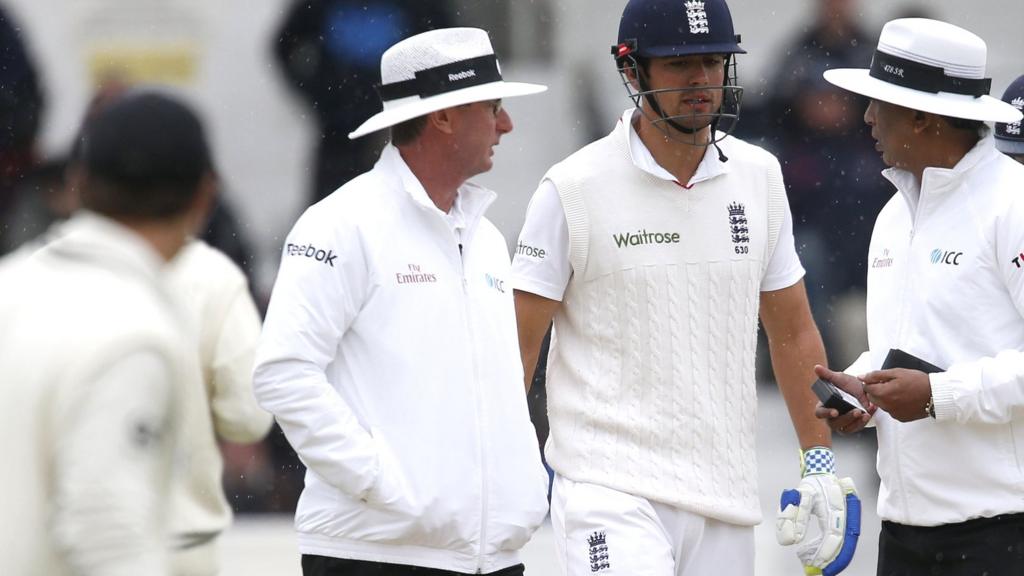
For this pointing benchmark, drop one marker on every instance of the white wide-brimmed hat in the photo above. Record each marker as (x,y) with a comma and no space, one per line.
(930,66)
(437,70)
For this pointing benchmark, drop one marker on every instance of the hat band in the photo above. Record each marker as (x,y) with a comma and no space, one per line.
(445,78)
(923,77)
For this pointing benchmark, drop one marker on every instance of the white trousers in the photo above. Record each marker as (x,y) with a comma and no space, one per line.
(604,532)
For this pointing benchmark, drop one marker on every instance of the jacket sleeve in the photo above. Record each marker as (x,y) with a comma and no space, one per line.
(991,390)
(236,415)
(1010,250)
(320,287)
(112,462)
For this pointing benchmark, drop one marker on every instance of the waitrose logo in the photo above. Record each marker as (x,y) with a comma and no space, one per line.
(643,237)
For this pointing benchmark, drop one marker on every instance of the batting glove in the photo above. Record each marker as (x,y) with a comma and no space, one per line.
(834,502)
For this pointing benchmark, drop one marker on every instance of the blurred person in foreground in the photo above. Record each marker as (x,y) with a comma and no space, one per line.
(93,350)
(389,353)
(218,403)
(655,250)
(43,197)
(1009,139)
(943,378)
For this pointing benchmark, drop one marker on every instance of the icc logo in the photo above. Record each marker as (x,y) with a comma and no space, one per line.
(946,257)
(496,283)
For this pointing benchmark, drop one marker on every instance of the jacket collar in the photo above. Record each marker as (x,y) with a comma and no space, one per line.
(936,180)
(472,200)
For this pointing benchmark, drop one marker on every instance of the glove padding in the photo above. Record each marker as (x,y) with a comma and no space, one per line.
(834,502)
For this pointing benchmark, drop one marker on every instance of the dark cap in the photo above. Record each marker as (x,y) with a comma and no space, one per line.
(145,140)
(1009,139)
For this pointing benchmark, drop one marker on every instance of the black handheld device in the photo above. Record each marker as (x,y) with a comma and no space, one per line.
(897,358)
(830,396)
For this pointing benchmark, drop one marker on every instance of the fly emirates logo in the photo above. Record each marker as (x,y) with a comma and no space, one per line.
(415,275)
(643,237)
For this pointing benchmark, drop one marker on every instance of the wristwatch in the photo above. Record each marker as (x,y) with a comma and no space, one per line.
(929,408)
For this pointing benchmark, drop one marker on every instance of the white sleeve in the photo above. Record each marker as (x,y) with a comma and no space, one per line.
(1009,243)
(112,462)
(784,268)
(314,302)
(991,390)
(540,264)
(236,415)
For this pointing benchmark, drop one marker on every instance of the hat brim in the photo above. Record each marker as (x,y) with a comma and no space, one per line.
(984,108)
(412,107)
(1006,146)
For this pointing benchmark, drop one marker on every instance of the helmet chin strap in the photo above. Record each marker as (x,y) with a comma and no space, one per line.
(721,155)
(641,78)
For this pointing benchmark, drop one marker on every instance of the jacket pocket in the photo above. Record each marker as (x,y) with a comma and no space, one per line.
(391,490)
(528,513)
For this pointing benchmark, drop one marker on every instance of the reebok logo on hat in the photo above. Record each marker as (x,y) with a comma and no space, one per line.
(465,75)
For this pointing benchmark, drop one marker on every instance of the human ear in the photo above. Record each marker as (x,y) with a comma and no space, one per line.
(922,121)
(629,69)
(443,120)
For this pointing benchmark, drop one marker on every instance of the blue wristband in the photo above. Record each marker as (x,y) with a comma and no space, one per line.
(818,460)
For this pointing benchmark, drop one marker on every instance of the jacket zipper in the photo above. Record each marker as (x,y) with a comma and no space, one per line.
(904,311)
(459,239)
(479,422)
(467,320)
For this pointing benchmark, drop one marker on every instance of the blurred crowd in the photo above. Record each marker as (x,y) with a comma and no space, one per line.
(328,53)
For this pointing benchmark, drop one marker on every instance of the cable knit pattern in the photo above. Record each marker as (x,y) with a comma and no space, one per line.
(651,373)
(682,400)
(655,301)
(697,377)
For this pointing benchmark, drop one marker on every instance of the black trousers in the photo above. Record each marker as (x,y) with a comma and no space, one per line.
(326,566)
(984,546)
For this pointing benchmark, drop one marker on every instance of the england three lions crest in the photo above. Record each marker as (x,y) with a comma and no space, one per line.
(598,551)
(738,228)
(1013,129)
(697,17)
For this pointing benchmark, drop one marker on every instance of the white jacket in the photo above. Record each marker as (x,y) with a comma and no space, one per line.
(90,348)
(218,404)
(391,362)
(946,284)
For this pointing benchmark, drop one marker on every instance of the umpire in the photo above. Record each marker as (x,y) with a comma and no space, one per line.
(945,291)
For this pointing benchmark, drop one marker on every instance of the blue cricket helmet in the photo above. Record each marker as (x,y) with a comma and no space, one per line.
(678,27)
(1009,139)
(666,28)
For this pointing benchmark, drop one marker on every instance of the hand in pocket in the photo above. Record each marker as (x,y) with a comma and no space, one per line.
(391,490)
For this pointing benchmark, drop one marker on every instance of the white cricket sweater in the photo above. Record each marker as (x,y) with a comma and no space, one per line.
(651,384)
(218,404)
(89,396)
